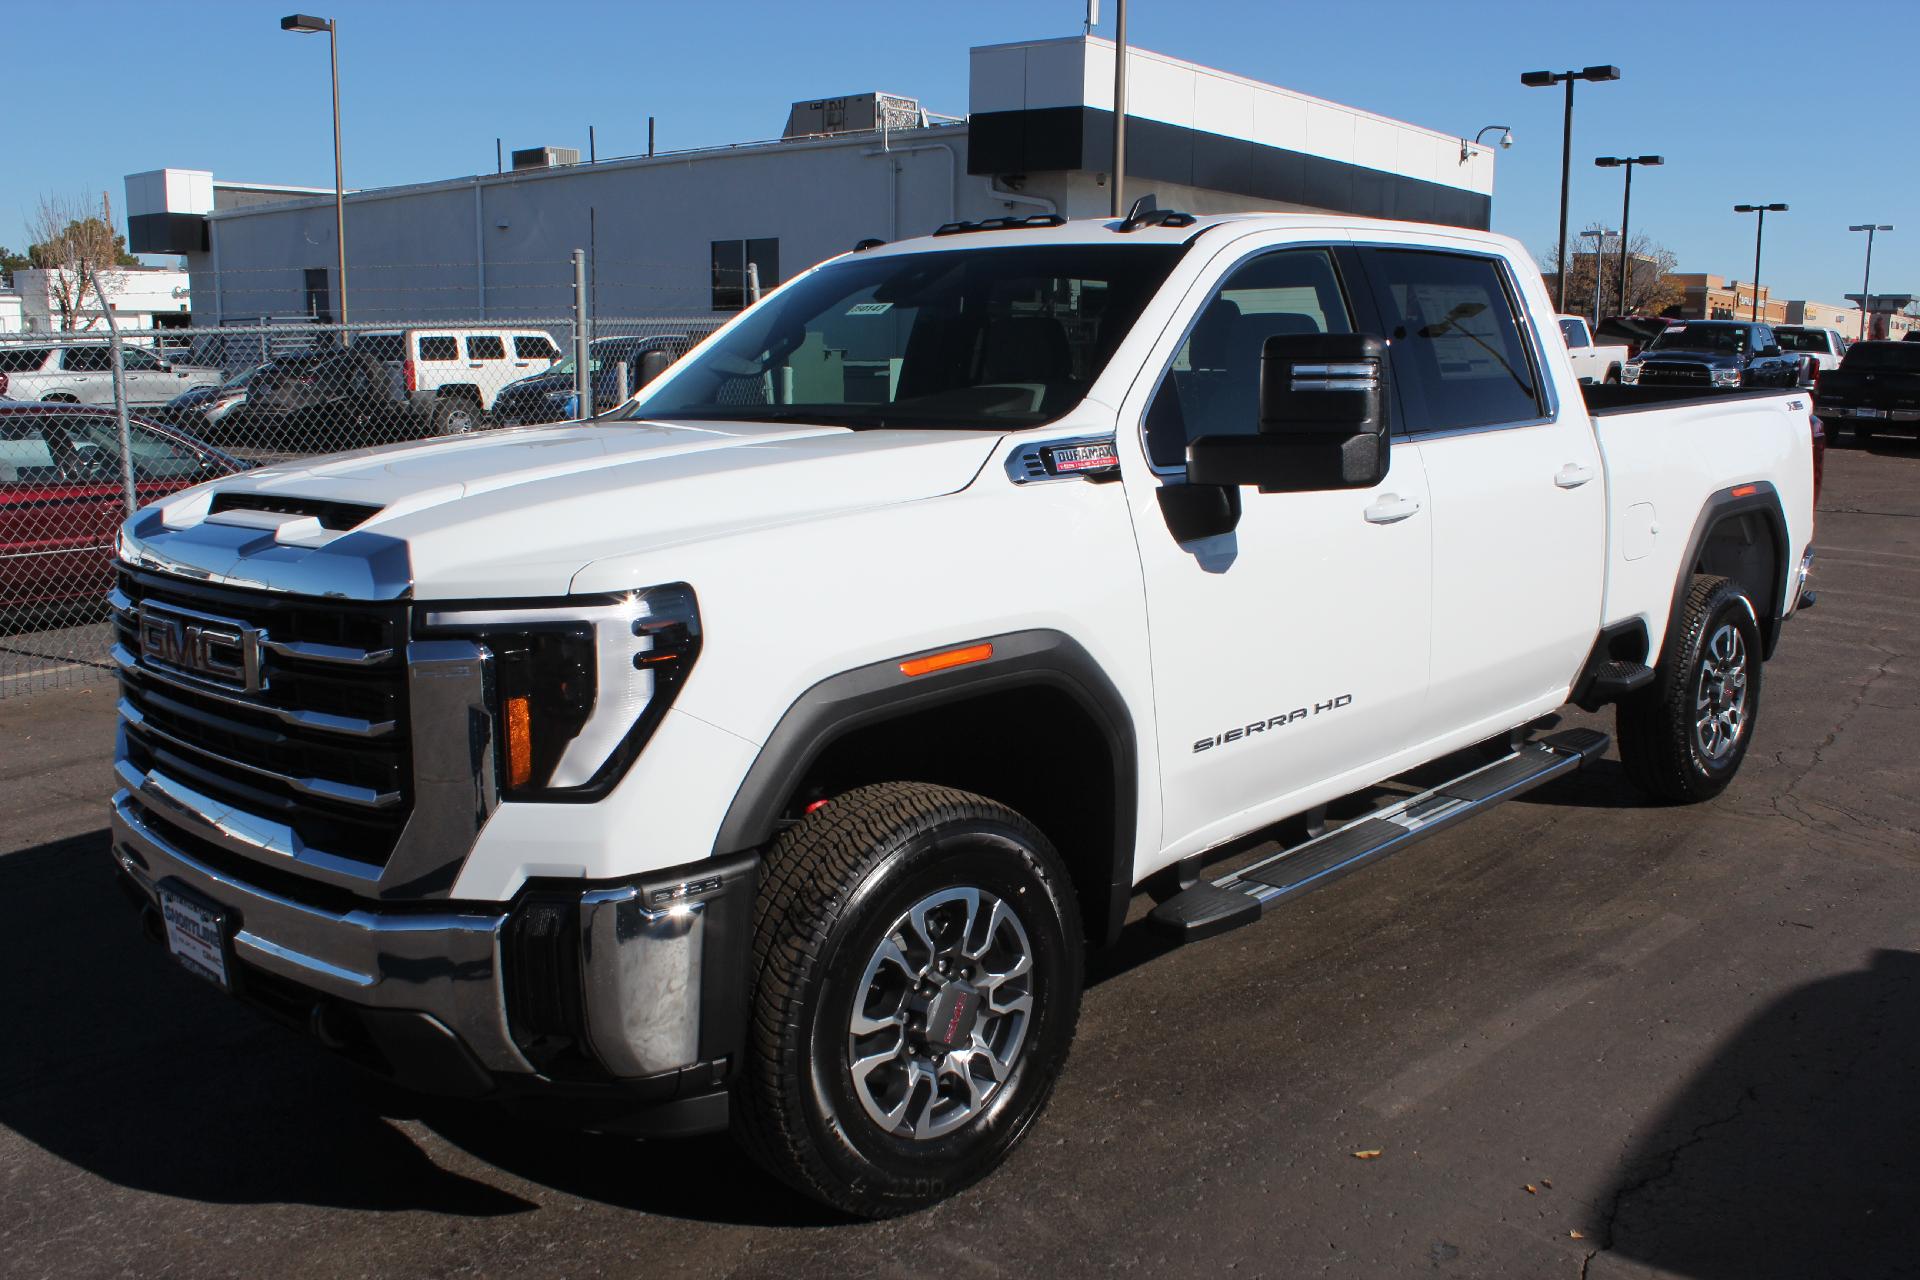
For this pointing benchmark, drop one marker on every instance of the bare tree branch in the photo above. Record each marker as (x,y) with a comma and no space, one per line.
(80,253)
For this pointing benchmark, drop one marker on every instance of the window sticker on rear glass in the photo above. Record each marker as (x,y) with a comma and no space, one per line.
(869,308)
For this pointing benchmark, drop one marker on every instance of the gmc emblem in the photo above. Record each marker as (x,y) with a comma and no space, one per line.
(214,649)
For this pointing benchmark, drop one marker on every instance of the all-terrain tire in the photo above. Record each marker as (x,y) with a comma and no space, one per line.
(837,887)
(1682,738)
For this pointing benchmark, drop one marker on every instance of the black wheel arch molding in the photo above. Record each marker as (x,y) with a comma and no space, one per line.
(1760,500)
(1041,660)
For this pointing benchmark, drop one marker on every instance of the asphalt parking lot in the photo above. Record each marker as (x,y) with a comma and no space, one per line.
(1585,1036)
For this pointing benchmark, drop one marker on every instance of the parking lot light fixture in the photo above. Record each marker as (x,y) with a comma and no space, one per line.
(1546,80)
(1626,208)
(307,24)
(1866,282)
(1759,230)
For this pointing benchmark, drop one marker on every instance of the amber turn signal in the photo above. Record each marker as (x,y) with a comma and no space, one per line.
(948,658)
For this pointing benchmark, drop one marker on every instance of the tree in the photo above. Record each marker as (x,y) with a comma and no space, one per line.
(11,262)
(1651,287)
(80,253)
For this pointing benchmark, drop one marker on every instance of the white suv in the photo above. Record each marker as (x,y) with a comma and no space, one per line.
(451,374)
(82,373)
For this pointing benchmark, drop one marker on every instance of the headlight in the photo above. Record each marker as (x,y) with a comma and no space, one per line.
(1630,371)
(1726,377)
(579,688)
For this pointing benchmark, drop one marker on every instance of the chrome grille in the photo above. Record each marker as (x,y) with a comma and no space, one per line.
(309,756)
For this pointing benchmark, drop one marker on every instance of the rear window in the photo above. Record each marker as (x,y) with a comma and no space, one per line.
(488,347)
(534,349)
(22,360)
(439,349)
(379,346)
(1898,356)
(1801,339)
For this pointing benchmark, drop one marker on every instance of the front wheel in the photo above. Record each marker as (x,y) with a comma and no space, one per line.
(917,971)
(1682,738)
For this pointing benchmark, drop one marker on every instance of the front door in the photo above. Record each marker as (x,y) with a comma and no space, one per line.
(1289,654)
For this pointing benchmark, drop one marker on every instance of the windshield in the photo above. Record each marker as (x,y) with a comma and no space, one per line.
(1801,339)
(1899,356)
(988,337)
(1729,339)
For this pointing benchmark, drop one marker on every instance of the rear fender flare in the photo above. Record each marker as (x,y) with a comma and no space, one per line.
(1763,500)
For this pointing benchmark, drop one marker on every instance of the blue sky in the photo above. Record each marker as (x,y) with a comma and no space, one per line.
(1757,101)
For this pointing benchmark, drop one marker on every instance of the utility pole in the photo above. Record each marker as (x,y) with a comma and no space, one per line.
(1759,230)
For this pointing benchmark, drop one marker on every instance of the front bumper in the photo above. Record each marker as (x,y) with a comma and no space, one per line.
(613,991)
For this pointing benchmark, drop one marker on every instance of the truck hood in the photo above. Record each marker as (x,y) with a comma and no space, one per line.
(519,512)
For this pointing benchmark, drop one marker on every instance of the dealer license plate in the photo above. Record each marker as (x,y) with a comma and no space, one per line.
(196,936)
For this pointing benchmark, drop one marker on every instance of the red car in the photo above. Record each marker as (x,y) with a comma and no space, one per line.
(61,499)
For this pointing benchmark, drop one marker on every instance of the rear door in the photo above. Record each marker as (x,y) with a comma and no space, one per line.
(1519,507)
(1291,651)
(487,364)
(88,374)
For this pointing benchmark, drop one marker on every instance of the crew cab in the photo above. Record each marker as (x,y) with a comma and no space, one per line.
(1876,388)
(1719,354)
(770,752)
(82,373)
(1591,361)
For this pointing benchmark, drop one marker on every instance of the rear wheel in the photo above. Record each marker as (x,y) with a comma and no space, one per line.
(455,416)
(917,958)
(1682,738)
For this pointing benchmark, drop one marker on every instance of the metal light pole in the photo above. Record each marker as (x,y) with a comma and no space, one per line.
(1119,108)
(1759,230)
(1547,79)
(307,24)
(1866,281)
(1626,208)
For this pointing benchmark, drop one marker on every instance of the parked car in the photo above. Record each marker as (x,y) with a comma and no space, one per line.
(82,373)
(1823,347)
(205,410)
(1720,354)
(768,753)
(1876,388)
(61,498)
(319,402)
(1591,361)
(446,378)
(550,396)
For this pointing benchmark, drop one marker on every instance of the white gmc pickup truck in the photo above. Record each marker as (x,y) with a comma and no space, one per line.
(768,752)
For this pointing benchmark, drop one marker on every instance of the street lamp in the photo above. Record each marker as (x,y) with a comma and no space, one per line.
(1599,235)
(1866,283)
(306,24)
(1545,80)
(1759,230)
(1626,207)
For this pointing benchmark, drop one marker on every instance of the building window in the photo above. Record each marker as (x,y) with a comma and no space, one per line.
(319,296)
(730,261)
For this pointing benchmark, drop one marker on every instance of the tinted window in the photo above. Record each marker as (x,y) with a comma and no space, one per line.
(1802,339)
(88,360)
(380,346)
(1575,332)
(534,349)
(486,348)
(986,337)
(95,451)
(136,359)
(1458,356)
(1883,355)
(1725,339)
(25,456)
(1763,338)
(1213,386)
(22,359)
(439,349)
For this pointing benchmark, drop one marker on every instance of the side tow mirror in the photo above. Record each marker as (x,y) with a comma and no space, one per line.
(1769,351)
(652,365)
(1323,419)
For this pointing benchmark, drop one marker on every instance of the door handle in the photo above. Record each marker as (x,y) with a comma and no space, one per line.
(1573,475)
(1390,508)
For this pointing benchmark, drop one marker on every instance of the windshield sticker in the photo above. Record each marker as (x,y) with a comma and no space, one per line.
(869,308)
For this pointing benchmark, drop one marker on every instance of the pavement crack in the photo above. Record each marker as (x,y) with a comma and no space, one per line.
(1669,1162)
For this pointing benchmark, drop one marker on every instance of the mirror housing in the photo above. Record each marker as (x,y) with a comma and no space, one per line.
(1769,351)
(652,364)
(1324,401)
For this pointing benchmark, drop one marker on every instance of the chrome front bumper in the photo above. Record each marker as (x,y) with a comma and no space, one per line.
(657,965)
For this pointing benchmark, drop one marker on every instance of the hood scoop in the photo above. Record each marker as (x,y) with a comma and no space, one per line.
(336,517)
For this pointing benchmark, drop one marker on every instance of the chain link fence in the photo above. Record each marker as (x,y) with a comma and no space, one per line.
(96,423)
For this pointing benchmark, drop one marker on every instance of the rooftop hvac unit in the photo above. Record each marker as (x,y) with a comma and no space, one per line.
(545,157)
(855,113)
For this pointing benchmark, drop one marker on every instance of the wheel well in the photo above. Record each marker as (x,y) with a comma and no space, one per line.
(462,391)
(1034,749)
(1745,549)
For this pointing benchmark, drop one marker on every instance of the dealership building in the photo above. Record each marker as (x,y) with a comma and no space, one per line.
(687,231)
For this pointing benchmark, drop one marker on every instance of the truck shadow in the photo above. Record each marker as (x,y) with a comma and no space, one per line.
(1792,1153)
(122,1064)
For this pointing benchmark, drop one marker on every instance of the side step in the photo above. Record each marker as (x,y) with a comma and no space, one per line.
(1615,679)
(1213,907)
